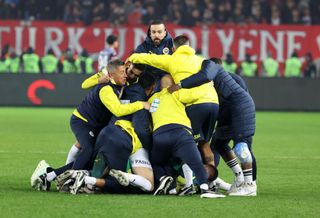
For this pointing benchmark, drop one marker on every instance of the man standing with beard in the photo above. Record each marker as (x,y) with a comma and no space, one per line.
(158,41)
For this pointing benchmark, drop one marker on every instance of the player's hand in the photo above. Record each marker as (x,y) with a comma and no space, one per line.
(104,78)
(146,105)
(173,88)
(127,63)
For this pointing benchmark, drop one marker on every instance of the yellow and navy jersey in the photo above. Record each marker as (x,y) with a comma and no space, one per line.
(102,102)
(181,64)
(167,109)
(91,81)
(128,127)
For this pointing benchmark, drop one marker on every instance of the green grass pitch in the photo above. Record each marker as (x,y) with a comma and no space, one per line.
(286,145)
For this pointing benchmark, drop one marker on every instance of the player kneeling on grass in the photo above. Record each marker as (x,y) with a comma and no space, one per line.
(93,114)
(124,140)
(115,145)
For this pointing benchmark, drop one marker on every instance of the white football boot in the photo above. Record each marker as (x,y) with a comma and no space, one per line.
(120,176)
(38,179)
(245,190)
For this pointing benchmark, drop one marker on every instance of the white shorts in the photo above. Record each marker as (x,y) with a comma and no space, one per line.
(140,159)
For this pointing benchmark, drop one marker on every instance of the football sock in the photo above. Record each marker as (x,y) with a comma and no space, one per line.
(90,180)
(204,186)
(235,167)
(51,176)
(247,176)
(72,154)
(173,191)
(140,182)
(188,175)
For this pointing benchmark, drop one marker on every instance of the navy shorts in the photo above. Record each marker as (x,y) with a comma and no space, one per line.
(178,143)
(86,135)
(203,118)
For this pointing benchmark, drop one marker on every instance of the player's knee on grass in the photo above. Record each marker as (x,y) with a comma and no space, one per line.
(243,153)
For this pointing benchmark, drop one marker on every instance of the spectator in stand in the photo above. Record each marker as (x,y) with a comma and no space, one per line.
(150,14)
(286,12)
(10,8)
(238,17)
(49,62)
(30,10)
(191,19)
(256,13)
(222,13)
(116,14)
(99,12)
(84,63)
(270,66)
(315,11)
(305,16)
(2,10)
(15,61)
(72,12)
(31,61)
(248,67)
(69,62)
(134,16)
(295,17)
(128,7)
(120,12)
(293,66)
(310,69)
(4,64)
(86,11)
(208,13)
(189,6)
(229,65)
(275,16)
(47,10)
(174,13)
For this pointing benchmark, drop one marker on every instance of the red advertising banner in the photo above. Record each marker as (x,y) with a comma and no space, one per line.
(214,40)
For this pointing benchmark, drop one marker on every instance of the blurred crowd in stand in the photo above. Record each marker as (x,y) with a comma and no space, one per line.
(182,12)
(70,62)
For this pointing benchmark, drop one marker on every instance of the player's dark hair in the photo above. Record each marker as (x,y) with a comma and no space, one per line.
(146,80)
(216,60)
(180,40)
(155,22)
(111,39)
(140,67)
(114,64)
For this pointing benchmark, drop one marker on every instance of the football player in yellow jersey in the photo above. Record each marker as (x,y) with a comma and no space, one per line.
(116,144)
(133,71)
(204,110)
(94,113)
(172,138)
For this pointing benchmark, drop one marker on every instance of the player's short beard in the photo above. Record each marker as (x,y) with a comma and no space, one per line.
(158,42)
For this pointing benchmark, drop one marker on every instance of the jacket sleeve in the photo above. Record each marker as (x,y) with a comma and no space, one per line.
(91,81)
(140,119)
(111,101)
(188,96)
(141,124)
(140,49)
(208,73)
(161,62)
